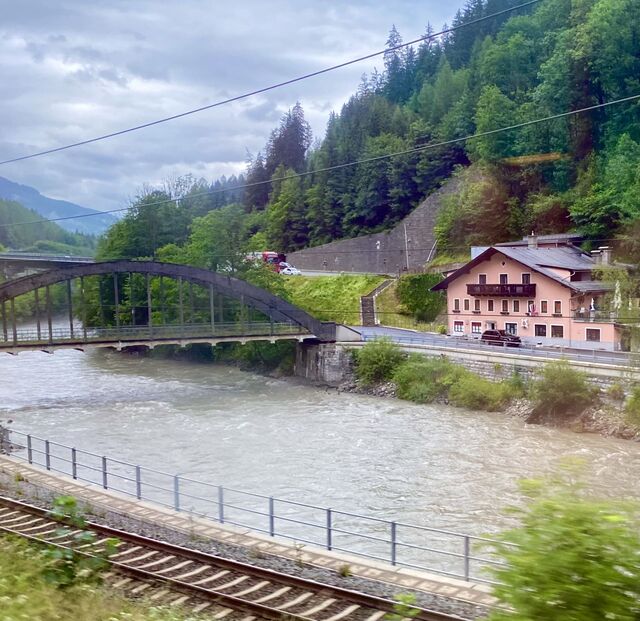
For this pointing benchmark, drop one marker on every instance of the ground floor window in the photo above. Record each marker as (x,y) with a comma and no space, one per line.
(476,327)
(557,332)
(593,334)
(541,329)
(511,328)
(458,326)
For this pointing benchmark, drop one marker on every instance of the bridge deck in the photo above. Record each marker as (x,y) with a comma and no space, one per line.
(47,338)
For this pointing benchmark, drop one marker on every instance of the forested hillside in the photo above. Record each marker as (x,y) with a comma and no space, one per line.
(576,172)
(24,229)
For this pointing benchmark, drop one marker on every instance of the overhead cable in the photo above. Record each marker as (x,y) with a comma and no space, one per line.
(265,89)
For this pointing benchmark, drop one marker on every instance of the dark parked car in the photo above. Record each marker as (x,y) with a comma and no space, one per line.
(500,337)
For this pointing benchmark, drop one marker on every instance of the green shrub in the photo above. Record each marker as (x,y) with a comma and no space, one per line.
(477,393)
(572,558)
(415,295)
(441,329)
(562,391)
(632,407)
(616,392)
(377,361)
(423,380)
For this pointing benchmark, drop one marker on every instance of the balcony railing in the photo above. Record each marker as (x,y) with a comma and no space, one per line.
(503,291)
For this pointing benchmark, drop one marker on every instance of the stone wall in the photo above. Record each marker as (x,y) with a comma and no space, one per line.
(331,364)
(406,247)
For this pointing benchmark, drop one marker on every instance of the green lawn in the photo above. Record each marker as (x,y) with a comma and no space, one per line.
(332,298)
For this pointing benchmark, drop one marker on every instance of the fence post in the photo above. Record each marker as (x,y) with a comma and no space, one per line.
(467,559)
(104,472)
(329,529)
(74,464)
(29,450)
(176,492)
(394,542)
(138,483)
(220,504)
(47,455)
(272,517)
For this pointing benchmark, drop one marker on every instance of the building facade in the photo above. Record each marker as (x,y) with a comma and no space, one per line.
(541,289)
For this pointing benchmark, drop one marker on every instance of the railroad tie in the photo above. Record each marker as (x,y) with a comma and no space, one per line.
(273,595)
(224,572)
(298,600)
(321,606)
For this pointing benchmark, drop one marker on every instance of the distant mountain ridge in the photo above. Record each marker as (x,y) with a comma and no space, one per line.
(51,208)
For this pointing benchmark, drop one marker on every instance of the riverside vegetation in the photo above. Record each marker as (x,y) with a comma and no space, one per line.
(557,397)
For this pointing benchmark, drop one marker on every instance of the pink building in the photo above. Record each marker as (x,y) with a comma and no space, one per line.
(541,289)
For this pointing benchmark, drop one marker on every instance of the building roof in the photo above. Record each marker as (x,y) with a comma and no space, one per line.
(542,260)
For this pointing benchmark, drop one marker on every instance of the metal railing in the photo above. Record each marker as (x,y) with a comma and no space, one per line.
(627,359)
(134,333)
(399,543)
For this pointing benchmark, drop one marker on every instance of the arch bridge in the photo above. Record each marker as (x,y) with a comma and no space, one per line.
(129,303)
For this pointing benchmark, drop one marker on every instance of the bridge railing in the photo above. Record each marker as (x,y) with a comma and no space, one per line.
(135,333)
(446,552)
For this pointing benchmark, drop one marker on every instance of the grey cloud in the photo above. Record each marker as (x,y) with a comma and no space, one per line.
(79,69)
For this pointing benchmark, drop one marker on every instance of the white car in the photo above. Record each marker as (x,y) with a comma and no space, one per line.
(290,271)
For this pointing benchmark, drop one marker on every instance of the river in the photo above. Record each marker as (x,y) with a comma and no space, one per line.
(432,465)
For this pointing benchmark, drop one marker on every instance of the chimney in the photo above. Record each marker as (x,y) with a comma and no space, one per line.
(606,255)
(596,256)
(532,240)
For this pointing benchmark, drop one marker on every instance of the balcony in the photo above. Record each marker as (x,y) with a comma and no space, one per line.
(503,291)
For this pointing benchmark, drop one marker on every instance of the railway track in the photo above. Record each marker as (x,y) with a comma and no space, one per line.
(218,587)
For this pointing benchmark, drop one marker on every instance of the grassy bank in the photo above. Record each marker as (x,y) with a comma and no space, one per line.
(331,298)
(26,594)
(558,396)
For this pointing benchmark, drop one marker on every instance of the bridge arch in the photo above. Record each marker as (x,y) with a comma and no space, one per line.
(264,301)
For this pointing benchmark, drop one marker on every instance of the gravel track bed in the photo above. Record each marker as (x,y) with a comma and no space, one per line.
(43,497)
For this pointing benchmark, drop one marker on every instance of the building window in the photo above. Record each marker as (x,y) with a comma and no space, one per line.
(541,329)
(482,279)
(511,328)
(490,306)
(526,279)
(531,307)
(504,279)
(593,334)
(466,304)
(557,307)
(516,306)
(505,306)
(557,332)
(476,305)
(544,307)
(458,326)
(476,327)
(456,305)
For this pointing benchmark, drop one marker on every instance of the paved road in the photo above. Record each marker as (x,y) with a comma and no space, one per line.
(409,337)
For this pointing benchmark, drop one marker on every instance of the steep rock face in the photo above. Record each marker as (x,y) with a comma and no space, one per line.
(405,247)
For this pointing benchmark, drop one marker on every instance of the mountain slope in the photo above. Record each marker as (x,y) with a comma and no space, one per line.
(52,208)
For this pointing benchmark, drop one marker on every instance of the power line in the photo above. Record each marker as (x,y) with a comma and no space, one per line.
(368,160)
(266,88)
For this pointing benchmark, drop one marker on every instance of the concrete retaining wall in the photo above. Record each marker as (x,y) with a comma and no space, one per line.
(406,247)
(331,364)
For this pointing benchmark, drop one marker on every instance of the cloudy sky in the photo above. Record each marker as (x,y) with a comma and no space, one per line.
(73,69)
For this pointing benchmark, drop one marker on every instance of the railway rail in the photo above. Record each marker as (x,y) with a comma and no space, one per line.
(208,584)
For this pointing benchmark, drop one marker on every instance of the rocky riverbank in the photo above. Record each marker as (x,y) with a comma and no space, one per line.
(605,418)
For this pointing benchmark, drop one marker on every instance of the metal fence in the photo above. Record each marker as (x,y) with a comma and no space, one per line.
(626,359)
(445,552)
(130,333)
